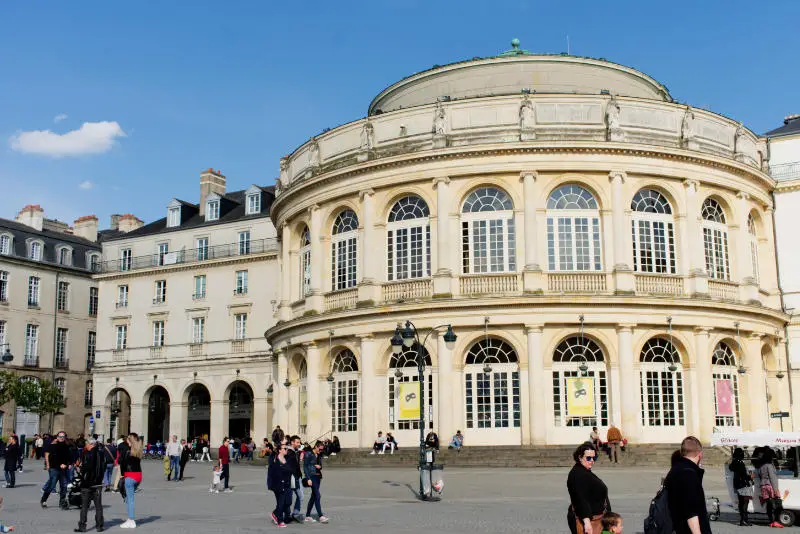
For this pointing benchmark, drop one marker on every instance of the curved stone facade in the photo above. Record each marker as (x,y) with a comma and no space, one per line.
(614,250)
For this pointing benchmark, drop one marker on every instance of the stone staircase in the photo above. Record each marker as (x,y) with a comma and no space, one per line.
(646,456)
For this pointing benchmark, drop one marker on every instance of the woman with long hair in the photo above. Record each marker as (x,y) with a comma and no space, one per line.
(312,467)
(742,485)
(588,494)
(131,466)
(279,475)
(770,489)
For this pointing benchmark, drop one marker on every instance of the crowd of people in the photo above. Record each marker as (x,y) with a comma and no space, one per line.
(388,442)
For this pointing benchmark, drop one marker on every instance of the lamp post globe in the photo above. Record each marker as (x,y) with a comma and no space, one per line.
(7,356)
(397,341)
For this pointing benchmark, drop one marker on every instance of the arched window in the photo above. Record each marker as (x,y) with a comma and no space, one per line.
(752,239)
(726,385)
(573,230)
(6,240)
(344,392)
(305,263)
(408,383)
(715,240)
(661,389)
(580,398)
(491,379)
(302,385)
(408,239)
(35,249)
(88,394)
(344,251)
(653,232)
(487,232)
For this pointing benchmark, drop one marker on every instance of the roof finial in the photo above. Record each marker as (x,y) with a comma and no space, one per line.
(515,43)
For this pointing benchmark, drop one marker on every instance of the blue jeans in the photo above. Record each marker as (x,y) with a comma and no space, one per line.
(316,497)
(56,476)
(130,499)
(11,478)
(107,475)
(298,496)
(174,467)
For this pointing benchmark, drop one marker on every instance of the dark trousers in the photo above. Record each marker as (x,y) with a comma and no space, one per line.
(226,474)
(11,478)
(183,466)
(93,494)
(282,497)
(743,502)
(56,476)
(315,501)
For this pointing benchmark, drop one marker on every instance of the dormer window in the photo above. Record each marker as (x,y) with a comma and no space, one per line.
(212,210)
(253,204)
(173,217)
(5,245)
(35,250)
(94,262)
(65,256)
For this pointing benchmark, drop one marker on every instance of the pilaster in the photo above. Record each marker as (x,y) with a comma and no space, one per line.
(628,383)
(703,391)
(443,275)
(316,300)
(446,424)
(698,278)
(370,391)
(285,310)
(314,426)
(536,409)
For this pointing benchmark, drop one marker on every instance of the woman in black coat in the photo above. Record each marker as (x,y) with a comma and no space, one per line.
(12,457)
(587,493)
(742,484)
(186,452)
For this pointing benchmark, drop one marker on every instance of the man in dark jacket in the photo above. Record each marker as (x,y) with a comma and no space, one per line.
(293,459)
(57,459)
(684,485)
(92,470)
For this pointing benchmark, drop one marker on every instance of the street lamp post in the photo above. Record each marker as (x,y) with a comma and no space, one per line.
(406,338)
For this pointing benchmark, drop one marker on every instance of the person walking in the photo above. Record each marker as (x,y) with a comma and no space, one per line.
(685,494)
(39,446)
(131,466)
(225,463)
(10,467)
(277,436)
(186,453)
(93,468)
(312,467)
(111,452)
(742,484)
(58,460)
(279,477)
(294,459)
(174,452)
(770,486)
(588,494)
(205,456)
(614,439)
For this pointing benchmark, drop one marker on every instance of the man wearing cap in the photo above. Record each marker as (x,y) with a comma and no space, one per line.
(57,460)
(92,470)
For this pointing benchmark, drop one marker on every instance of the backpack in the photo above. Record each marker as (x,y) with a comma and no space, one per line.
(101,463)
(659,520)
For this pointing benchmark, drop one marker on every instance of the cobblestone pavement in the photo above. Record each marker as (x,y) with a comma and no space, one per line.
(357,501)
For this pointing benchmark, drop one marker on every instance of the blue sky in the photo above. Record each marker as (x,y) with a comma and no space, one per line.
(177,87)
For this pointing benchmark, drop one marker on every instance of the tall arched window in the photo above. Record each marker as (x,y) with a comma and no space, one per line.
(88,394)
(305,263)
(573,230)
(715,240)
(752,240)
(726,385)
(580,398)
(662,389)
(653,232)
(408,239)
(406,363)
(302,405)
(344,250)
(491,378)
(487,232)
(344,392)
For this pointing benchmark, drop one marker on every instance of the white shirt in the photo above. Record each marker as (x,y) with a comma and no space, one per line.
(174,449)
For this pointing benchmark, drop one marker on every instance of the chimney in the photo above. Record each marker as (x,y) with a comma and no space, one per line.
(115,221)
(86,227)
(32,215)
(128,223)
(211,181)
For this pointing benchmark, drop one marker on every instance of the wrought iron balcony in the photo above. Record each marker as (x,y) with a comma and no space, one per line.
(785,171)
(61,363)
(30,361)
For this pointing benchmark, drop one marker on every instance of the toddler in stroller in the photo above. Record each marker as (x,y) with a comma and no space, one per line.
(74,488)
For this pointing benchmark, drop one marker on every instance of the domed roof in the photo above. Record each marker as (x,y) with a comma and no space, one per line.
(514,72)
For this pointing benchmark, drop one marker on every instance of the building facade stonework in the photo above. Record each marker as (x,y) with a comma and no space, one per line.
(624,256)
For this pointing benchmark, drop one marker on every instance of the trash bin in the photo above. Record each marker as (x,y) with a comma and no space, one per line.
(432,476)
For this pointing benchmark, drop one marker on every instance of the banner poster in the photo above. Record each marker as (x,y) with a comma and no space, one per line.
(723,389)
(303,407)
(409,400)
(580,396)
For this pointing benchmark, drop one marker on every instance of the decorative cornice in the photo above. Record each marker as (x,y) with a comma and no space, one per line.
(532,174)
(622,175)
(365,193)
(441,180)
(741,195)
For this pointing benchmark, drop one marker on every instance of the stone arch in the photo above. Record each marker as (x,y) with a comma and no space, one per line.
(240,397)
(195,382)
(296,359)
(487,184)
(677,340)
(730,340)
(591,334)
(590,182)
(467,341)
(296,228)
(198,409)
(385,358)
(326,356)
(758,219)
(393,196)
(157,400)
(117,404)
(665,189)
(724,204)
(335,210)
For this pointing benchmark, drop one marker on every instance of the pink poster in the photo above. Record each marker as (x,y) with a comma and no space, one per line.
(723,389)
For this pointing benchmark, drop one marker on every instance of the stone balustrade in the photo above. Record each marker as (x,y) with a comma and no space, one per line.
(341,299)
(407,290)
(722,290)
(577,282)
(654,284)
(490,284)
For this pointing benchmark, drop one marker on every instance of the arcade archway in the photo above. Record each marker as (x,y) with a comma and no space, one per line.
(240,410)
(198,418)
(157,415)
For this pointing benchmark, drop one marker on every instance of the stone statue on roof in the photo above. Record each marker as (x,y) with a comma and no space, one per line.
(527,119)
(613,128)
(313,155)
(367,136)
(439,119)
(687,127)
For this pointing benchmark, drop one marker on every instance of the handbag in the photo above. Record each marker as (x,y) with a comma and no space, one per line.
(116,474)
(596,522)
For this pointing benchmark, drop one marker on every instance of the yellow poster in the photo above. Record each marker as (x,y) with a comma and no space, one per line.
(580,396)
(303,407)
(409,400)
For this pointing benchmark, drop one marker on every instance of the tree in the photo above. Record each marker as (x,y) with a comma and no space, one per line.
(9,382)
(40,397)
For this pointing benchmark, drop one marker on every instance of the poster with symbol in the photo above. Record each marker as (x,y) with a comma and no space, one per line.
(580,396)
(409,400)
(723,389)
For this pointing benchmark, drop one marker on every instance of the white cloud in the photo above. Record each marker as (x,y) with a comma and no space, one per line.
(60,117)
(86,184)
(90,138)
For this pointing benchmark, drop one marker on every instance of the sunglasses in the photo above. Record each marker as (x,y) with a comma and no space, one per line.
(61,437)
(590,458)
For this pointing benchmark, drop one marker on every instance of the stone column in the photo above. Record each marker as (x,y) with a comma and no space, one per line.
(623,275)
(445,389)
(368,251)
(769,275)
(628,383)
(532,278)
(260,428)
(314,412)
(753,397)
(316,301)
(537,411)
(285,310)
(218,428)
(370,391)
(178,419)
(698,278)
(138,418)
(280,394)
(442,278)
(748,289)
(704,395)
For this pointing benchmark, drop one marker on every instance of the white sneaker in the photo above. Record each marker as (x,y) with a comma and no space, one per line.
(310,519)
(130,523)
(333,454)
(380,452)
(373,452)
(323,519)
(211,490)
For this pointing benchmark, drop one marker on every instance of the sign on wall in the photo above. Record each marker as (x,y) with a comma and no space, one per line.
(303,407)
(409,400)
(723,389)
(580,396)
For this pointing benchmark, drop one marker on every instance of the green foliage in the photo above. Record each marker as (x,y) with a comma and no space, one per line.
(8,386)
(40,397)
(48,400)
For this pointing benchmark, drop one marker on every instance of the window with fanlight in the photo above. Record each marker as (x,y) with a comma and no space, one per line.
(344,251)
(580,386)
(404,377)
(305,263)
(488,235)
(344,392)
(408,236)
(653,232)
(492,386)
(661,384)
(573,230)
(752,242)
(715,240)
(724,372)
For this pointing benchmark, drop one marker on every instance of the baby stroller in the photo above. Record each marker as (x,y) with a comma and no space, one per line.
(74,489)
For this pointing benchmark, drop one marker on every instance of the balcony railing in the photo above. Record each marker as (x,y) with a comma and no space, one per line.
(257,246)
(576,282)
(407,290)
(156,352)
(123,304)
(785,171)
(653,284)
(723,290)
(195,349)
(118,355)
(489,284)
(61,363)
(30,361)
(346,298)
(238,346)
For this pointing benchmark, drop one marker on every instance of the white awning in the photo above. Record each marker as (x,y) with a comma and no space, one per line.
(755,439)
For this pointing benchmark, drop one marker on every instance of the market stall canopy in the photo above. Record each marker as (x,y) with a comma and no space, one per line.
(755,439)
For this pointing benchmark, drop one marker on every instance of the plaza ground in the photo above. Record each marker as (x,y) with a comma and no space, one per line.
(476,500)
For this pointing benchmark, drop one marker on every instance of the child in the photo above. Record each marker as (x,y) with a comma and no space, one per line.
(612,523)
(4,528)
(215,482)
